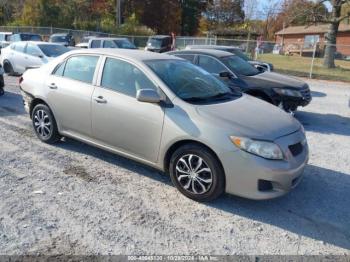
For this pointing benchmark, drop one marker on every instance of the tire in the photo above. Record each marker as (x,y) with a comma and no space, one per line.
(2,91)
(8,68)
(44,124)
(2,82)
(202,186)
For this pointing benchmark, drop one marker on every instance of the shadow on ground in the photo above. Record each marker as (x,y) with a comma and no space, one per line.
(318,208)
(318,94)
(11,104)
(324,123)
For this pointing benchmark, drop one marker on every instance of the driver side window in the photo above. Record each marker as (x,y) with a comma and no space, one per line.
(124,77)
(211,65)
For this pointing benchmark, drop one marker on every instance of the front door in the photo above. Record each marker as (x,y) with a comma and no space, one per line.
(118,119)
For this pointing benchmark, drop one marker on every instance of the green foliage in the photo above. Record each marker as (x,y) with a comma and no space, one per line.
(132,26)
(139,16)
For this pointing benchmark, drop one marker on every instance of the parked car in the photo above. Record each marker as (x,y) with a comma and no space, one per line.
(108,42)
(286,92)
(172,115)
(62,39)
(236,51)
(4,39)
(159,43)
(25,37)
(2,83)
(19,56)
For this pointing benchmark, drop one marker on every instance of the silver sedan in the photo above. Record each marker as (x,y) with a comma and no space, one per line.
(167,113)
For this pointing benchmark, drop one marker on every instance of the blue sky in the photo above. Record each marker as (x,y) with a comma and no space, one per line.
(262,3)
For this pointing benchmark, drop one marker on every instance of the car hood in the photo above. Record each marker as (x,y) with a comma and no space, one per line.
(250,117)
(278,80)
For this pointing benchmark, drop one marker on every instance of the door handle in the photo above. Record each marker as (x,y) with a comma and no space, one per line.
(100,100)
(52,86)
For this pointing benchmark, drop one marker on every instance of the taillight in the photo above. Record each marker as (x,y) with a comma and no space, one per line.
(20,80)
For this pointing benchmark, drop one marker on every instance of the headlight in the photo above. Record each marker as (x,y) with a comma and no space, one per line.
(287,92)
(264,149)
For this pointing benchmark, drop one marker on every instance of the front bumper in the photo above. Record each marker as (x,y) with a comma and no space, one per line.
(291,103)
(245,172)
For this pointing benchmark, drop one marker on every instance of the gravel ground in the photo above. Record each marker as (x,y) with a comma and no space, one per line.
(77,200)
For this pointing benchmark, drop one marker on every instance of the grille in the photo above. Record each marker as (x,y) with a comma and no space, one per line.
(296,149)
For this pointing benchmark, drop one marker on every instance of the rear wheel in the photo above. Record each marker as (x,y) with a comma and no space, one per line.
(44,124)
(8,68)
(197,173)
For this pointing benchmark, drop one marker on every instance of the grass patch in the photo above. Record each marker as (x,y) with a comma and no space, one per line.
(300,66)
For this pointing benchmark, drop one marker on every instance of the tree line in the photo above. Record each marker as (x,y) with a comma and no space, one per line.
(179,16)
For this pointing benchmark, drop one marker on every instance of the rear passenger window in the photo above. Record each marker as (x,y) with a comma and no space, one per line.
(124,77)
(81,68)
(95,43)
(19,47)
(109,44)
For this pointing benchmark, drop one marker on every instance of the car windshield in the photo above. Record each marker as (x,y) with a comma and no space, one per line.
(190,82)
(155,42)
(239,66)
(125,44)
(59,38)
(53,50)
(28,37)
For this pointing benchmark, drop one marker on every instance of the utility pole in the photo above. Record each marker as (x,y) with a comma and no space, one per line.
(118,13)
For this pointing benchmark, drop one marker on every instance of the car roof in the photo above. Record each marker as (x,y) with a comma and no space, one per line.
(25,33)
(6,33)
(211,52)
(108,38)
(212,47)
(137,55)
(60,34)
(35,43)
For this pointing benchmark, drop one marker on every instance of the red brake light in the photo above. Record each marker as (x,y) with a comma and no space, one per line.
(20,80)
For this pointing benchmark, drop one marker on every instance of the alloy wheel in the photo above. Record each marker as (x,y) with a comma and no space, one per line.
(42,123)
(194,174)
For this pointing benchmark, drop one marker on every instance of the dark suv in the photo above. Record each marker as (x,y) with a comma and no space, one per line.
(25,37)
(62,39)
(159,43)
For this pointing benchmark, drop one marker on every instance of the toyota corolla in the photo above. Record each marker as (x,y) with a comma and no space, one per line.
(165,112)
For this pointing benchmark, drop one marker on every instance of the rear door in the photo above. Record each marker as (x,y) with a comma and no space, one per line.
(18,60)
(71,88)
(32,56)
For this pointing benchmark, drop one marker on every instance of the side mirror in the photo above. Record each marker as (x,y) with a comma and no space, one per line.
(39,55)
(261,68)
(148,96)
(225,75)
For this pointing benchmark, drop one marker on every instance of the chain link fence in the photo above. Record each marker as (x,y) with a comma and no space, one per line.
(299,58)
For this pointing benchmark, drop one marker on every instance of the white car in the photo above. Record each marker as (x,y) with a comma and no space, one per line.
(19,56)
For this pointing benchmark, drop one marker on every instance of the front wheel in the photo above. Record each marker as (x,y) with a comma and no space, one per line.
(197,173)
(44,124)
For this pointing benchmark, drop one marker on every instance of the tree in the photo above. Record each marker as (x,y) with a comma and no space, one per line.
(333,19)
(191,13)
(224,13)
(162,16)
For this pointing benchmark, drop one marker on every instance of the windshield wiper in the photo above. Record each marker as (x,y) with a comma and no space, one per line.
(210,98)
